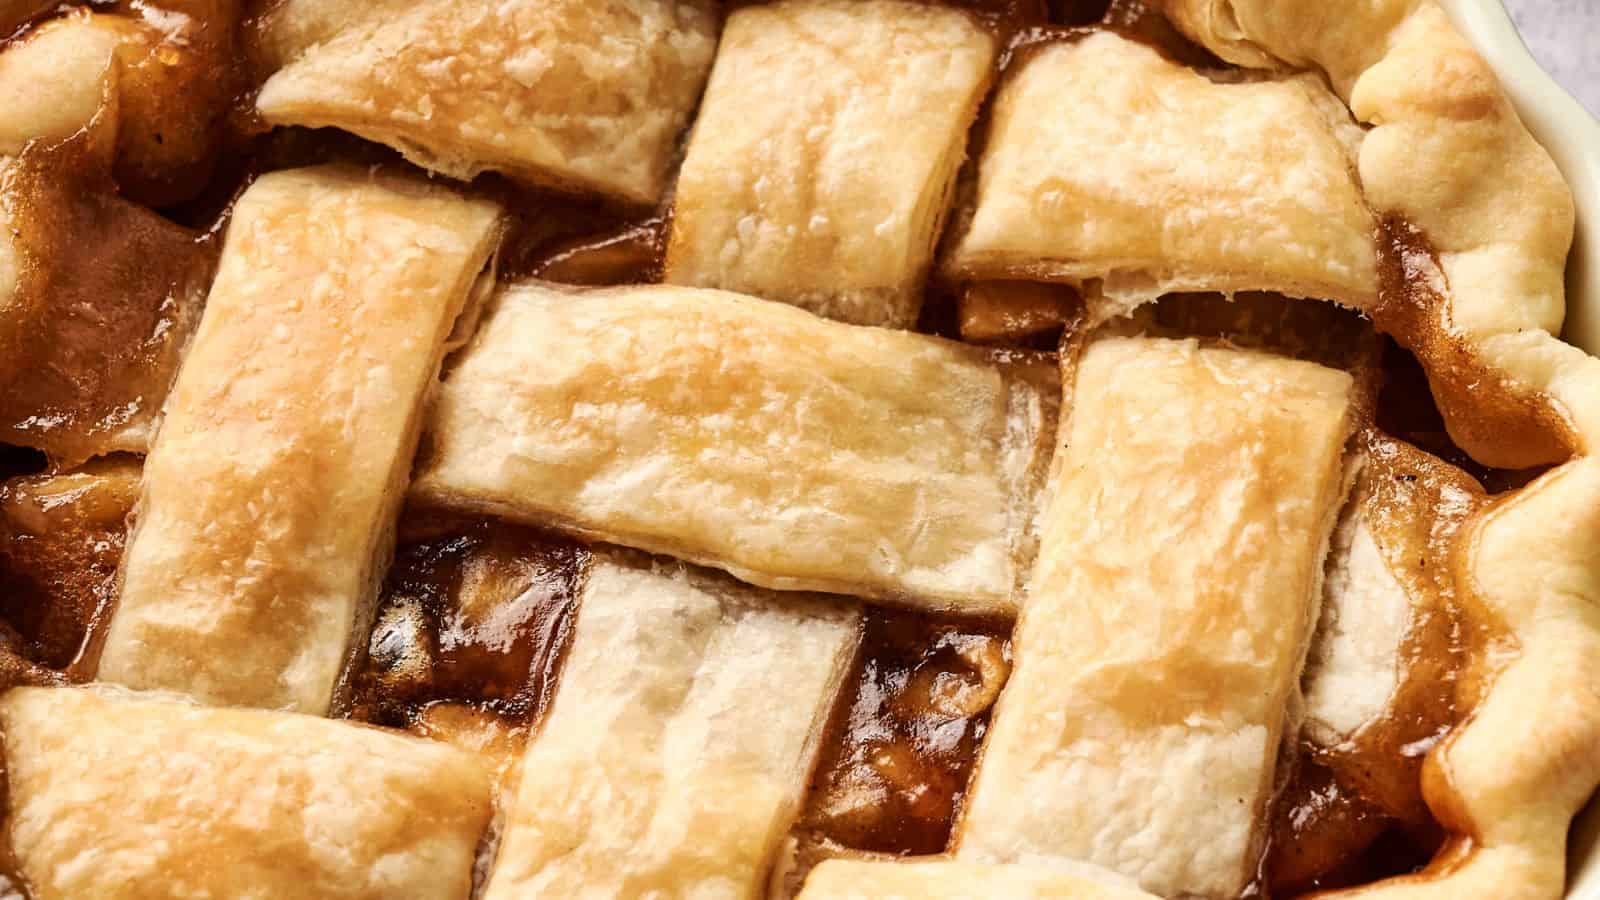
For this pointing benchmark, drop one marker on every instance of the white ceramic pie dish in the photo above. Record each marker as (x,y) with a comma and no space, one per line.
(1572,136)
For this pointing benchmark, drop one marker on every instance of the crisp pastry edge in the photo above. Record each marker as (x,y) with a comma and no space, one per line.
(1516,772)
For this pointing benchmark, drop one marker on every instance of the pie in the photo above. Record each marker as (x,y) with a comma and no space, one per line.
(800,448)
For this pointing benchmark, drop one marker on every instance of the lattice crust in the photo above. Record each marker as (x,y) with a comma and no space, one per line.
(824,154)
(587,94)
(115,794)
(270,495)
(1167,616)
(1449,154)
(1104,160)
(952,880)
(1188,520)
(680,745)
(777,465)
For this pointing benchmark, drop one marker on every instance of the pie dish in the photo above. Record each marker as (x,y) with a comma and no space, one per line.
(810,448)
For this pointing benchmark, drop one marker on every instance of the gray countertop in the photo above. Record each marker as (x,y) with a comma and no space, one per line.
(1565,37)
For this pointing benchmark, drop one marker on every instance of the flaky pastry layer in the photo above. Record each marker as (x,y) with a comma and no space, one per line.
(681,739)
(823,156)
(1104,160)
(584,94)
(1167,618)
(794,452)
(118,795)
(270,493)
(1447,153)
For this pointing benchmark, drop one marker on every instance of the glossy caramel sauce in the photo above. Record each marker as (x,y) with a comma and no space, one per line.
(178,76)
(109,290)
(1135,20)
(61,540)
(1406,410)
(904,735)
(1321,837)
(177,79)
(1497,422)
(1026,313)
(109,293)
(1305,329)
(1354,811)
(471,628)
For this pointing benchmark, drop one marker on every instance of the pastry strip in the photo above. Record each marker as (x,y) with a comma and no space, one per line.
(270,493)
(953,880)
(794,452)
(824,153)
(1167,618)
(121,796)
(577,94)
(1106,161)
(675,755)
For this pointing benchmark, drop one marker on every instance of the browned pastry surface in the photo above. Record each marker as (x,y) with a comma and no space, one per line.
(1194,641)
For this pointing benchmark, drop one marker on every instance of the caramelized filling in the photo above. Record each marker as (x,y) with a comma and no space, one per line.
(904,736)
(17,15)
(474,615)
(1354,812)
(61,540)
(1498,423)
(1406,409)
(1330,837)
(176,82)
(1007,17)
(108,295)
(1305,329)
(176,77)
(577,240)
(1027,313)
(16,461)
(629,254)
(1137,20)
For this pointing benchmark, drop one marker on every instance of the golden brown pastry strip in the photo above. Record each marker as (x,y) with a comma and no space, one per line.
(126,796)
(1166,621)
(270,494)
(682,734)
(1105,161)
(575,94)
(823,157)
(794,452)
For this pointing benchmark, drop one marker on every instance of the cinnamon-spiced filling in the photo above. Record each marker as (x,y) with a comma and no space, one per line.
(474,613)
(904,736)
(108,296)
(61,540)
